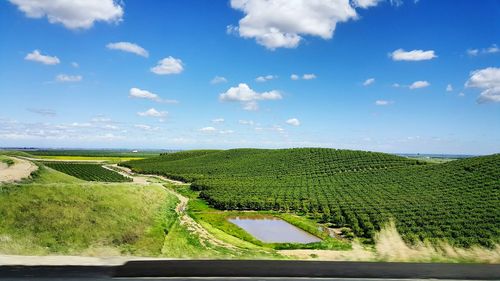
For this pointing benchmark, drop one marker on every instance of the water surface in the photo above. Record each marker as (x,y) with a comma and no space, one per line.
(274,230)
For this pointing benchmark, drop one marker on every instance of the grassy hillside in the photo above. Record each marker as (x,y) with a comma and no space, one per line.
(456,201)
(57,213)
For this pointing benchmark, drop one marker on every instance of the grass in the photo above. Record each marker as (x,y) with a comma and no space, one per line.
(56,213)
(6,160)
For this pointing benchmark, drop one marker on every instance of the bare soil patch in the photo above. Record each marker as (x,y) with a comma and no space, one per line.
(19,170)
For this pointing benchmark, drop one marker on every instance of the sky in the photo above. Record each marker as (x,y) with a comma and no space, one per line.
(392,76)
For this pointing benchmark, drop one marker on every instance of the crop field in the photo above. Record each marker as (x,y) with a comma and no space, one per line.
(96,153)
(88,172)
(457,201)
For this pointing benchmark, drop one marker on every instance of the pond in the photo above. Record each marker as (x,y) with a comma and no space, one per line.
(274,230)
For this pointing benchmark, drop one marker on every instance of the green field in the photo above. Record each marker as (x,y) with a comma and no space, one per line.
(88,172)
(457,202)
(57,213)
(95,153)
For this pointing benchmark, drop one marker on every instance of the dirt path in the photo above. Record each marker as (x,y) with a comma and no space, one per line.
(180,209)
(19,170)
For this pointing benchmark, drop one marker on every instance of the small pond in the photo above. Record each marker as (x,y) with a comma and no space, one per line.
(274,230)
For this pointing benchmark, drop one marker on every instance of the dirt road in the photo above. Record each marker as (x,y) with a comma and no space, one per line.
(19,170)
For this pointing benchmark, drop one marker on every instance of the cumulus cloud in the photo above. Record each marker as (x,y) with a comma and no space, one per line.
(218,120)
(38,57)
(153,113)
(488,80)
(449,88)
(208,130)
(369,81)
(282,23)
(218,80)
(72,14)
(293,122)
(144,94)
(128,47)
(168,65)
(248,97)
(75,64)
(383,102)
(415,55)
(68,78)
(294,77)
(419,84)
(265,78)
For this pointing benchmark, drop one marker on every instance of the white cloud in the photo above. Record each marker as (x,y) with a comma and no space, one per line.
(218,80)
(218,120)
(38,57)
(68,78)
(472,52)
(75,64)
(369,81)
(419,84)
(461,94)
(248,97)
(168,65)
(146,127)
(72,14)
(153,113)
(128,47)
(488,80)
(449,88)
(493,49)
(396,85)
(282,23)
(309,76)
(208,130)
(143,94)
(383,102)
(365,3)
(293,122)
(246,122)
(226,132)
(265,78)
(415,55)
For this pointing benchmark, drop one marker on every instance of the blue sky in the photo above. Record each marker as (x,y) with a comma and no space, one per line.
(392,76)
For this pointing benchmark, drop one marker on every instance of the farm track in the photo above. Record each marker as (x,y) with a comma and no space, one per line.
(193,226)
